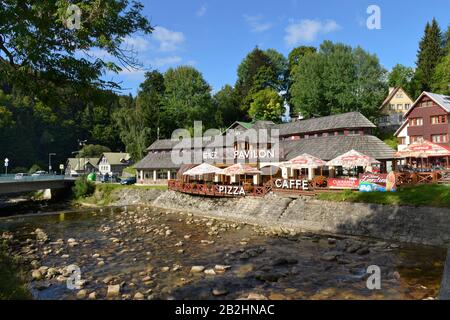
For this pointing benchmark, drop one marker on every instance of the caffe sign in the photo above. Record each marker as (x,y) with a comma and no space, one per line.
(291,184)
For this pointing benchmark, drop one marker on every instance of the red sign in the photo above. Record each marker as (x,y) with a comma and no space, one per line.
(335,183)
(421,148)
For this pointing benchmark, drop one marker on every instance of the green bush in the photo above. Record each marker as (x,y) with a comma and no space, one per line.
(83,188)
(34,168)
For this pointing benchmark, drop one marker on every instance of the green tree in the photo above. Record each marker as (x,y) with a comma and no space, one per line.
(267,104)
(256,72)
(187,98)
(45,53)
(441,77)
(227,106)
(150,100)
(400,76)
(429,54)
(297,54)
(93,151)
(132,131)
(337,79)
(281,67)
(447,40)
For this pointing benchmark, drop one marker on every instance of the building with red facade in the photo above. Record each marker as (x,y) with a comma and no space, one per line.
(427,119)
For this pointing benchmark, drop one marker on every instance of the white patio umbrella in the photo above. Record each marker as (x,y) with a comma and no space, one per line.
(304,161)
(352,159)
(203,169)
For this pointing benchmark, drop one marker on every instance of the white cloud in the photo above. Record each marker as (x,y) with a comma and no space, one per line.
(257,24)
(139,44)
(202,11)
(168,40)
(308,30)
(161,62)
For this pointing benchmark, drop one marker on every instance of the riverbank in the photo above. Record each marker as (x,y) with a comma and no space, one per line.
(13,279)
(412,224)
(144,252)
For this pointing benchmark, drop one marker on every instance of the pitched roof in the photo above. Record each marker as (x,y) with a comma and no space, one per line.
(392,94)
(442,100)
(79,163)
(339,121)
(115,158)
(158,160)
(327,148)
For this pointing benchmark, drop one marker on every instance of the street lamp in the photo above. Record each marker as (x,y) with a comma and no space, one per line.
(82,143)
(50,161)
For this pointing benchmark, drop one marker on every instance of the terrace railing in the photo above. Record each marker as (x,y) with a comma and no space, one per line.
(219,190)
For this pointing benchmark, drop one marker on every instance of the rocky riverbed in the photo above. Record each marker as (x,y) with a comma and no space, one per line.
(149,253)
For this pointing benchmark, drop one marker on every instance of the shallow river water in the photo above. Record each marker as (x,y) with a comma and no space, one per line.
(150,253)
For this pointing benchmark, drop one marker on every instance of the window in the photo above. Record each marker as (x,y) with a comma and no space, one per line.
(438,119)
(399,107)
(401,140)
(416,139)
(399,95)
(416,122)
(392,107)
(407,106)
(439,138)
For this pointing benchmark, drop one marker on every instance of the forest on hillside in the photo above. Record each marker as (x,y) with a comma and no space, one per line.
(52,100)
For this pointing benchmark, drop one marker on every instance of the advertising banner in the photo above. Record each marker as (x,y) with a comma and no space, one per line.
(336,183)
(369,182)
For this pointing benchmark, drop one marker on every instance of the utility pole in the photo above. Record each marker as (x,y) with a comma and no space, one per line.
(50,161)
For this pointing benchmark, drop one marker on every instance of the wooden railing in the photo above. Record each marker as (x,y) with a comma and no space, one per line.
(219,190)
(411,178)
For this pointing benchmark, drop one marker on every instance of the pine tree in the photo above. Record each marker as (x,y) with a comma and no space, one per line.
(429,55)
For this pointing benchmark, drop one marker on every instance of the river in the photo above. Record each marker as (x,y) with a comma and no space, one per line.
(150,253)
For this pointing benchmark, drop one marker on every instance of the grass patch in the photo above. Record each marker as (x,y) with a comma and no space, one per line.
(422,195)
(104,194)
(12,279)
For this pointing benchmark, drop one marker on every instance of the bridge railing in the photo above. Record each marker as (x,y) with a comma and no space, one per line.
(13,178)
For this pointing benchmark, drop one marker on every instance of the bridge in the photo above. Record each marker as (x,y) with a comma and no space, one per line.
(11,183)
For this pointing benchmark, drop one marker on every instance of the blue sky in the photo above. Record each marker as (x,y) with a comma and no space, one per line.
(215,35)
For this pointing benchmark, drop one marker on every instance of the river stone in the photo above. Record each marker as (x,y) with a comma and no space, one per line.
(197,269)
(219,292)
(36,275)
(331,256)
(256,296)
(113,291)
(363,251)
(353,248)
(81,294)
(92,296)
(210,272)
(41,235)
(221,268)
(139,296)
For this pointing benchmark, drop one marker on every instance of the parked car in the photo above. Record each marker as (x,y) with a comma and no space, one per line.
(21,175)
(39,173)
(128,181)
(107,178)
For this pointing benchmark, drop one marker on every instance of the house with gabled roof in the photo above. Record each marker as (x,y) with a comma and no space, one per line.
(393,109)
(427,119)
(113,163)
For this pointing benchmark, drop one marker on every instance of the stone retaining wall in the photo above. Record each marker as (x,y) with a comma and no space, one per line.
(423,225)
